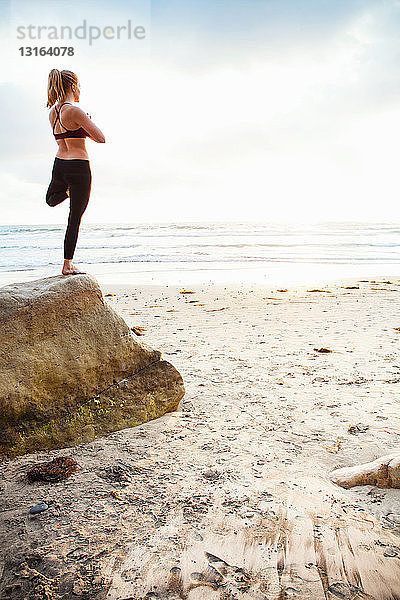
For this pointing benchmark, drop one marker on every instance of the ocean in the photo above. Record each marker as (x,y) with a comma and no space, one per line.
(186,253)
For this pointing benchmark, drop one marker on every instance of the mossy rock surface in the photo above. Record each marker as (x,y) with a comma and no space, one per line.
(72,370)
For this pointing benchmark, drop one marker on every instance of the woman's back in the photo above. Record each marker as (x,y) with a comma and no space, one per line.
(60,116)
(71,125)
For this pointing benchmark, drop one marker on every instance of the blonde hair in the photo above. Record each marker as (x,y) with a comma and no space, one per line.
(59,84)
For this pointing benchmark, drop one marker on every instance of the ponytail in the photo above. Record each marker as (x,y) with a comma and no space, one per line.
(59,84)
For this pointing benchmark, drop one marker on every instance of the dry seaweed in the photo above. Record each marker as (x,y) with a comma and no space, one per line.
(57,469)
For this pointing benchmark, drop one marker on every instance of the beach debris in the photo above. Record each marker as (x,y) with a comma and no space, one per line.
(391,552)
(187,292)
(359,428)
(138,330)
(317,290)
(392,518)
(347,591)
(281,290)
(384,472)
(38,508)
(397,328)
(58,469)
(217,309)
(108,295)
(351,287)
(113,495)
(358,381)
(116,474)
(212,475)
(228,576)
(322,350)
(323,380)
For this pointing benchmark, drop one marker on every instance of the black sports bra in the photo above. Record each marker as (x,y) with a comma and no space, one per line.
(68,133)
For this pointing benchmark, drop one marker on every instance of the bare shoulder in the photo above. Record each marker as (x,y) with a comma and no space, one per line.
(75,111)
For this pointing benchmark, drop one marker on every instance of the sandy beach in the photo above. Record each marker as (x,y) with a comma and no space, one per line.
(230,495)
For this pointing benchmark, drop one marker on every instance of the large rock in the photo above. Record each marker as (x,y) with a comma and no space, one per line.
(71,369)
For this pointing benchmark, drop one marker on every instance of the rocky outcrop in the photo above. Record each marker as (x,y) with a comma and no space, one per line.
(71,369)
(384,472)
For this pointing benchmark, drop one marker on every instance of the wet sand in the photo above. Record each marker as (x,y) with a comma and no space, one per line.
(230,497)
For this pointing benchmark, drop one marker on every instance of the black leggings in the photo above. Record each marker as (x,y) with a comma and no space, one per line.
(73,175)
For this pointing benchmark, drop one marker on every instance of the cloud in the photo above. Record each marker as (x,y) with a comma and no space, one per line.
(237,103)
(207,34)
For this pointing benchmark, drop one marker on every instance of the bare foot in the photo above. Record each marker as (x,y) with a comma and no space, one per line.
(71,270)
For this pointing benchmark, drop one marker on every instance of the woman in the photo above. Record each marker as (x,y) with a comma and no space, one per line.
(71,174)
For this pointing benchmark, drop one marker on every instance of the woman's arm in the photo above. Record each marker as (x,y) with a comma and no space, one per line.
(83,120)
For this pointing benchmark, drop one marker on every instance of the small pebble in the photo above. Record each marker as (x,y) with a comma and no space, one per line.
(38,508)
(359,428)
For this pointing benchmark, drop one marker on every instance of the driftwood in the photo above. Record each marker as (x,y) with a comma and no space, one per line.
(384,472)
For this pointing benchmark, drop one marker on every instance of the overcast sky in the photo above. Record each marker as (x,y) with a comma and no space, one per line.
(226,110)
